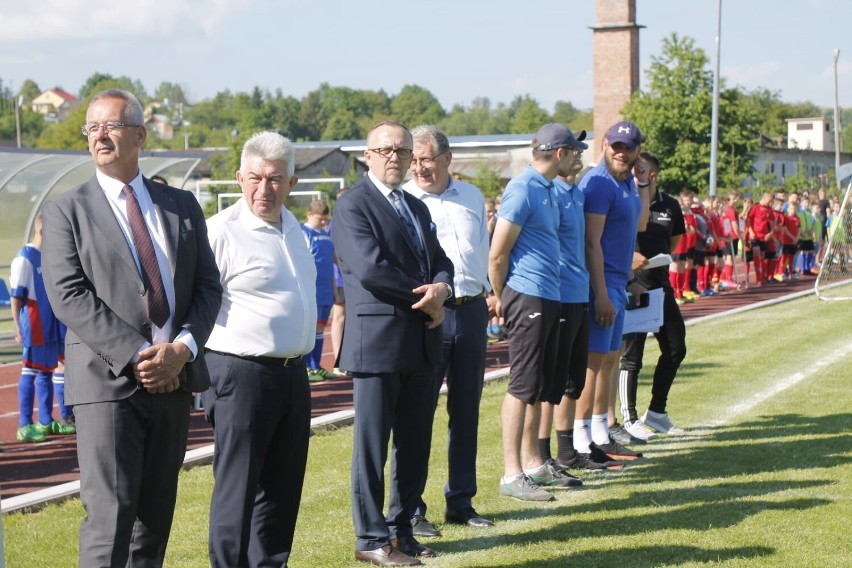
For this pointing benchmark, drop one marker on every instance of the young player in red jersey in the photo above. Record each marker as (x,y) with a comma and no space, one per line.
(691,239)
(731,223)
(677,270)
(773,248)
(761,222)
(789,242)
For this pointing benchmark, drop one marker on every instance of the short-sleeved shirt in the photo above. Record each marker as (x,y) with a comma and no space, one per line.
(665,221)
(619,202)
(319,242)
(761,218)
(529,201)
(731,222)
(573,276)
(792,224)
(38,324)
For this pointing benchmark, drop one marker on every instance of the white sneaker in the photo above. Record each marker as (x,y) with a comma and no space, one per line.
(661,422)
(638,429)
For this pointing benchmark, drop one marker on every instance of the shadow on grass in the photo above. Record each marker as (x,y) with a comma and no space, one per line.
(647,556)
(690,370)
(764,444)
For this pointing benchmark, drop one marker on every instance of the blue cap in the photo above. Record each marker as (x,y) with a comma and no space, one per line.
(554,135)
(625,132)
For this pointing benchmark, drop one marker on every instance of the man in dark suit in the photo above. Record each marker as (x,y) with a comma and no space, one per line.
(128,268)
(396,279)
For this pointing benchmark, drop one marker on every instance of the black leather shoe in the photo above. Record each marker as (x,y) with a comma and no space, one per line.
(386,556)
(420,526)
(467,517)
(409,545)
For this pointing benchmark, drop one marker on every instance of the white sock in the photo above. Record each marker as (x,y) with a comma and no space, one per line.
(600,428)
(582,435)
(507,480)
(535,470)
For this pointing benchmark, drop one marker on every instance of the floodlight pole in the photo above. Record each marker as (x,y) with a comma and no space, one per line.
(714,132)
(836,121)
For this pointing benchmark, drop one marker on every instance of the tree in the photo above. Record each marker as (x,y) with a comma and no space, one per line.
(29,90)
(65,135)
(566,113)
(529,116)
(675,116)
(415,105)
(99,81)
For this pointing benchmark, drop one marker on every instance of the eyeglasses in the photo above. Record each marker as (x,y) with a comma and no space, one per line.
(90,130)
(402,153)
(426,162)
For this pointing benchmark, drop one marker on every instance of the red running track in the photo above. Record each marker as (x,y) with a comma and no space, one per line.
(29,467)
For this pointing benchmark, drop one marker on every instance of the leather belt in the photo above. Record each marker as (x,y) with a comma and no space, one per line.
(465,299)
(263,360)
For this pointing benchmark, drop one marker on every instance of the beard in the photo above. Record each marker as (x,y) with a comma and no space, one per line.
(618,170)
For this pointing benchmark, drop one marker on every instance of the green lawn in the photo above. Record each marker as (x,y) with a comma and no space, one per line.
(763,478)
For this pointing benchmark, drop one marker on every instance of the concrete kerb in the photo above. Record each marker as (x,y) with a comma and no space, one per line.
(201,456)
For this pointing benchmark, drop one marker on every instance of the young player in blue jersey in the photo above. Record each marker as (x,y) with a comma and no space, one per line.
(319,242)
(41,336)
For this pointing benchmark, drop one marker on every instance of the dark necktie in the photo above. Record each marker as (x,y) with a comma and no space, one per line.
(158,303)
(396,198)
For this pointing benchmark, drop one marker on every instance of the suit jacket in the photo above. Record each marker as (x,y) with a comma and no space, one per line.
(380,268)
(95,288)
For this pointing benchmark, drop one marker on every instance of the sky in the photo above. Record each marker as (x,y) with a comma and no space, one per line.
(457,49)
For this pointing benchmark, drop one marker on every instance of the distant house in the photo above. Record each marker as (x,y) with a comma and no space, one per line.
(54,104)
(810,134)
(160,125)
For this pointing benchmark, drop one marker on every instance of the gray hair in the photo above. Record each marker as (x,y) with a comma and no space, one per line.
(272,147)
(431,134)
(133,113)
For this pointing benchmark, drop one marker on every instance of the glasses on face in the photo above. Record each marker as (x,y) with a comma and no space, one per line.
(426,161)
(92,129)
(401,153)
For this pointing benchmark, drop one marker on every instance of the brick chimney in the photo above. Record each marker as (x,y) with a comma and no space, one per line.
(616,62)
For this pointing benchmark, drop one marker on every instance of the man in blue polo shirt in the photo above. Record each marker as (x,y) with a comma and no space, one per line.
(615,211)
(524,272)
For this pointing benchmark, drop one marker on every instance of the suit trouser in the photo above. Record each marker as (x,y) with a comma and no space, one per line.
(465,344)
(261,418)
(672,340)
(404,403)
(130,453)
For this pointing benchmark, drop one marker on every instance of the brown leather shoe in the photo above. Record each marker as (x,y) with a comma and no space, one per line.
(409,545)
(386,556)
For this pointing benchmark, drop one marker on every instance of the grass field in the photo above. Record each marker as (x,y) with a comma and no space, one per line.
(764,477)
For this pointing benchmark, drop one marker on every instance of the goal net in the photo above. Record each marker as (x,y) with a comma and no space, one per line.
(834,281)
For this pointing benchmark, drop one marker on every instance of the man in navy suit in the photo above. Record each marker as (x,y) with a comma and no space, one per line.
(396,279)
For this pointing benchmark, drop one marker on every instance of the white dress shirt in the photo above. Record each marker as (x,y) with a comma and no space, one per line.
(459,217)
(268,278)
(112,189)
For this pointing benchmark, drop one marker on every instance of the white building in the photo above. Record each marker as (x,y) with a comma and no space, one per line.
(810,134)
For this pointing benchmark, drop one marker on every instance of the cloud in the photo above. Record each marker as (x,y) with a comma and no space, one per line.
(750,75)
(52,20)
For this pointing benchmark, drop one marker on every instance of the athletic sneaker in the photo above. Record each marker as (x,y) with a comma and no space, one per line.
(593,461)
(524,489)
(550,475)
(638,429)
(56,428)
(315,376)
(616,451)
(624,437)
(29,433)
(730,285)
(661,422)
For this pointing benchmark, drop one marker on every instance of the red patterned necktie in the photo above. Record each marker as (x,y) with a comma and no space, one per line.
(158,303)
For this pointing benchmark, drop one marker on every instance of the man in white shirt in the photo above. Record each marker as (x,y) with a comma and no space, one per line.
(458,211)
(260,403)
